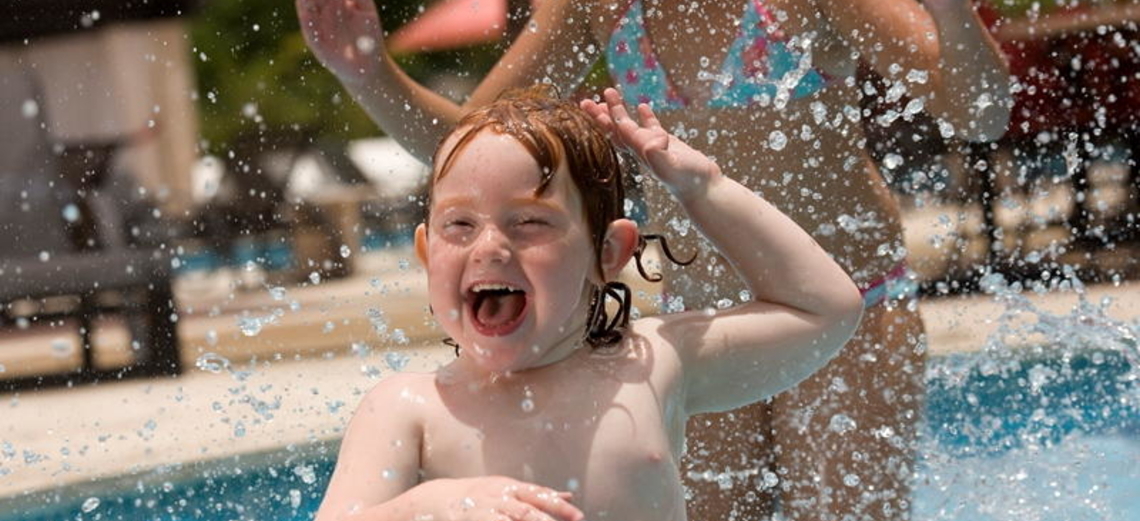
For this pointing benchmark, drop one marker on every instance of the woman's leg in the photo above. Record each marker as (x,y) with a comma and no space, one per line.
(845,438)
(729,465)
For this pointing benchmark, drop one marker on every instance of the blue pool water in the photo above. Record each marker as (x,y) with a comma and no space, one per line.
(1033,436)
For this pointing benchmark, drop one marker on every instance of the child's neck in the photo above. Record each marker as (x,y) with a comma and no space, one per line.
(563,349)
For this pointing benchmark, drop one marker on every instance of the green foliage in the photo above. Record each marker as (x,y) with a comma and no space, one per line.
(258,82)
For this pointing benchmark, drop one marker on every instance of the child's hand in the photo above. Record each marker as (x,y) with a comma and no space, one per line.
(684,170)
(345,35)
(495,498)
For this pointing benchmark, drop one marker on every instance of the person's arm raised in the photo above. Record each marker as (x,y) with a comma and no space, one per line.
(804,305)
(940,50)
(347,37)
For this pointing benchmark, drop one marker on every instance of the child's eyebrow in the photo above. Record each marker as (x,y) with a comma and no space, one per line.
(443,204)
(464,200)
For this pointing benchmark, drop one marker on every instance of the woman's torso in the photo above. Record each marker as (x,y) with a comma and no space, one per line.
(804,153)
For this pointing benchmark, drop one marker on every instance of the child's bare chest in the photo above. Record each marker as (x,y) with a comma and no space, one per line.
(612,441)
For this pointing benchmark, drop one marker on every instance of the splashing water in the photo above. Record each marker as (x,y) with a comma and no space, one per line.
(396,360)
(90,504)
(1040,432)
(212,363)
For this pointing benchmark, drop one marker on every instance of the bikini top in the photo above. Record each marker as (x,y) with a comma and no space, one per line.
(762,65)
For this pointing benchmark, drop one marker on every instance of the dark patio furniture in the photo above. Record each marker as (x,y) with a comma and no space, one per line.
(74,246)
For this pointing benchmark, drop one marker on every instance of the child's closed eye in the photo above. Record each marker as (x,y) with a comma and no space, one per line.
(457,224)
(532,222)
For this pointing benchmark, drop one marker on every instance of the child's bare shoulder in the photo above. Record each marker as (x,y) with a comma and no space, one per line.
(400,396)
(651,339)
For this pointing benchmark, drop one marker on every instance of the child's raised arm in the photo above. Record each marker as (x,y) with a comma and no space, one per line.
(804,305)
(377,476)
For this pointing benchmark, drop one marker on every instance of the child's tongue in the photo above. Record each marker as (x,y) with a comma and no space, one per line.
(495,308)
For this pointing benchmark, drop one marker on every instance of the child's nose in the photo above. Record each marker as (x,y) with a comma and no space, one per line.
(492,246)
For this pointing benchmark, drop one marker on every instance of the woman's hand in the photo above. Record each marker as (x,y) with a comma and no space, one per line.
(491,498)
(684,170)
(345,35)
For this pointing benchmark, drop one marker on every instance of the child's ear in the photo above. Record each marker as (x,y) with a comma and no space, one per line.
(421,244)
(621,239)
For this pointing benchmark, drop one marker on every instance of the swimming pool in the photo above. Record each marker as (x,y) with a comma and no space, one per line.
(1037,434)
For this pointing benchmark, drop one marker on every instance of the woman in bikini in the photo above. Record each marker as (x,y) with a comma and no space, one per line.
(768,89)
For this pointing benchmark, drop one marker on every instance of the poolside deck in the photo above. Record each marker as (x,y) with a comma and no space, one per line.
(298,378)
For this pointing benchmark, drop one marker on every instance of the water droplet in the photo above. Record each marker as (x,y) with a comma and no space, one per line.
(984,101)
(249,326)
(892,161)
(379,323)
(851,480)
(277,292)
(30,108)
(89,505)
(777,140)
(294,498)
(239,429)
(345,251)
(45,256)
(61,348)
(399,337)
(366,44)
(388,474)
(370,371)
(212,363)
(71,213)
(913,107)
(361,349)
(315,277)
(396,360)
(306,473)
(770,479)
(527,405)
(841,423)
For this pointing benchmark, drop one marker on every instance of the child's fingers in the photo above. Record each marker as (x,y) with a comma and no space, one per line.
(600,114)
(617,108)
(550,502)
(524,512)
(648,118)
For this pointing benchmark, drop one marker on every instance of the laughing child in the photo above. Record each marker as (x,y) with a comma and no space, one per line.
(553,410)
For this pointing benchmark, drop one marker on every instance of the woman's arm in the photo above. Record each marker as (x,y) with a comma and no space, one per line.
(961,75)
(346,36)
(804,305)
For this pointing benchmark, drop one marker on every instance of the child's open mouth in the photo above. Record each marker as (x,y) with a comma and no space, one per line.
(496,309)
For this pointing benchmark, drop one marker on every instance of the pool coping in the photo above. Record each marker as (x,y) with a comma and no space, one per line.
(954,325)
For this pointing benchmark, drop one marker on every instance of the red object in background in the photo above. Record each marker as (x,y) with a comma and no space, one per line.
(451,24)
(1074,73)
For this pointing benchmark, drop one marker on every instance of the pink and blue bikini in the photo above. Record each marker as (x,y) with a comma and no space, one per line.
(760,58)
